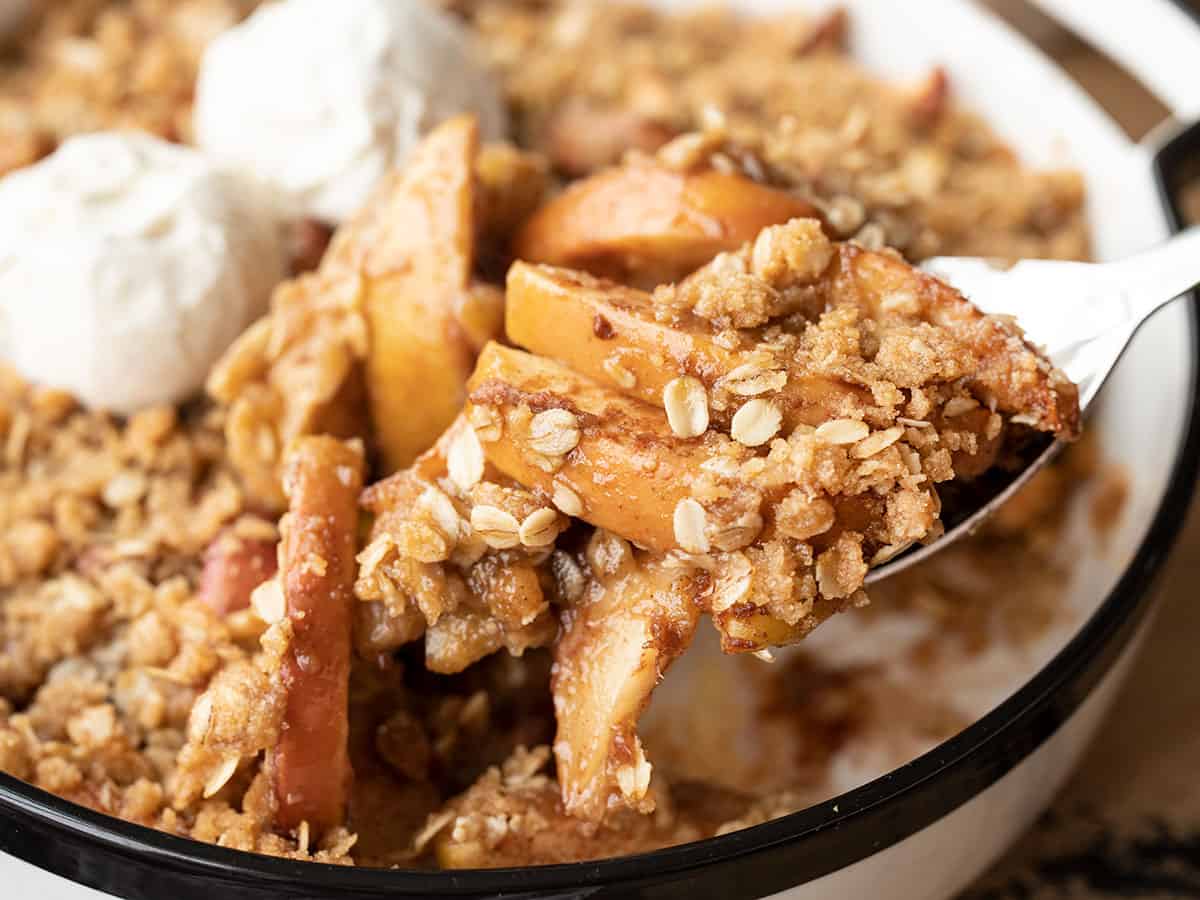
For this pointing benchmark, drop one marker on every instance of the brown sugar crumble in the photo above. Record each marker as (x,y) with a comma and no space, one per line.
(663,359)
(83,66)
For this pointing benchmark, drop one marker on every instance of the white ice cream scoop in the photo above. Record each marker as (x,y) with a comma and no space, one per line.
(320,99)
(127,266)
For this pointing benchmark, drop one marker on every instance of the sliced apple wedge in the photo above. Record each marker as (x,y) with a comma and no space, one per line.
(309,766)
(601,456)
(381,338)
(612,333)
(415,247)
(651,224)
(635,618)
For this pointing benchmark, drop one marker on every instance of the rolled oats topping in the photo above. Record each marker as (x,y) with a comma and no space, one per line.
(499,529)
(539,528)
(877,442)
(554,432)
(691,525)
(686,403)
(753,378)
(464,460)
(567,500)
(486,422)
(842,431)
(756,422)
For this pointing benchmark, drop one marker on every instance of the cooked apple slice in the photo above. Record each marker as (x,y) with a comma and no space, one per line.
(583,136)
(635,618)
(603,457)
(652,224)
(611,333)
(415,247)
(291,699)
(309,767)
(789,536)
(385,330)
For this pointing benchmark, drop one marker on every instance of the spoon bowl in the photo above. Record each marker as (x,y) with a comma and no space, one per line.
(1083,315)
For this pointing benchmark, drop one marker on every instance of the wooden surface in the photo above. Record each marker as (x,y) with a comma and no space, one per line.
(1128,825)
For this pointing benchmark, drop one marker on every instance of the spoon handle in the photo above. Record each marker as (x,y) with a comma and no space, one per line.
(1154,278)
(1119,298)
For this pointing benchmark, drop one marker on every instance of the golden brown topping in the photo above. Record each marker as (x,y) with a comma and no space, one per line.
(513,816)
(416,247)
(1005,372)
(802,517)
(454,563)
(62,71)
(840,569)
(295,372)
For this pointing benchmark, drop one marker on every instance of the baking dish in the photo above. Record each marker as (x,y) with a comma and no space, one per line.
(928,828)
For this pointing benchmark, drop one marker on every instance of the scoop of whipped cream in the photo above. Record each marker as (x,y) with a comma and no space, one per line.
(320,99)
(127,266)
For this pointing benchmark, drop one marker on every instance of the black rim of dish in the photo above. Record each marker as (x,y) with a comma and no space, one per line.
(134,861)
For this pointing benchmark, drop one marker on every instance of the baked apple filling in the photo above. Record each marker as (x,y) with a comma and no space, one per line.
(742,444)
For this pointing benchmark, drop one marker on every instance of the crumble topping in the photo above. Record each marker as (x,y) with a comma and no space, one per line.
(82,66)
(895,165)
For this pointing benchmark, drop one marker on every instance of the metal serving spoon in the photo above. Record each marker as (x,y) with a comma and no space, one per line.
(1084,316)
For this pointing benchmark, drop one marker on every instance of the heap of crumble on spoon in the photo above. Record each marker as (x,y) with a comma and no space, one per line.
(742,442)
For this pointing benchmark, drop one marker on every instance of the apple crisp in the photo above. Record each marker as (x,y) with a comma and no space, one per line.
(398,589)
